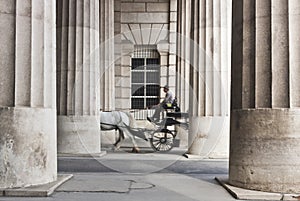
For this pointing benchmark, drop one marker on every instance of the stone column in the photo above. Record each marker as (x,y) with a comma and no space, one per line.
(107,62)
(27,88)
(107,67)
(183,63)
(209,120)
(183,54)
(265,115)
(78,76)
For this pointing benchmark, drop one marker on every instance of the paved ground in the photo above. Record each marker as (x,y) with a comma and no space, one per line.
(139,177)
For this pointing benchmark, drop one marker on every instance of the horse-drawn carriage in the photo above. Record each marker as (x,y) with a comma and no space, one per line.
(162,138)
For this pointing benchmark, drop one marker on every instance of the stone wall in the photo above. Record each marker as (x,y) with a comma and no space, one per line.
(146,22)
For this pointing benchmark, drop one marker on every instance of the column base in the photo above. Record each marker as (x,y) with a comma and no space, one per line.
(27,147)
(209,137)
(44,190)
(108,138)
(264,150)
(78,135)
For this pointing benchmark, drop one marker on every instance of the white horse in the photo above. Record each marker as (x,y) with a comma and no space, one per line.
(124,122)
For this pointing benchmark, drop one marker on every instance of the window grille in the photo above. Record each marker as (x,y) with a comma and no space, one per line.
(145,77)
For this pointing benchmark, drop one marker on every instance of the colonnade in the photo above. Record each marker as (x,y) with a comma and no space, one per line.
(49,79)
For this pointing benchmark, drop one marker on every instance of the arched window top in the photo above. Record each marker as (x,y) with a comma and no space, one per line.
(145,51)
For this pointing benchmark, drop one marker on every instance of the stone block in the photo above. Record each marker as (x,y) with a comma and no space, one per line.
(133,7)
(173,16)
(173,5)
(124,82)
(123,103)
(172,81)
(163,81)
(164,34)
(146,33)
(163,47)
(117,5)
(173,37)
(172,69)
(136,32)
(117,43)
(158,7)
(172,48)
(173,27)
(155,33)
(145,17)
(124,92)
(118,61)
(117,28)
(172,60)
(117,71)
(117,17)
(164,60)
(126,60)
(164,71)
(78,134)
(125,30)
(108,138)
(8,7)
(126,71)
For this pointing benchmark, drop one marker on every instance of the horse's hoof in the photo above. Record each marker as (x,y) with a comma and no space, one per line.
(135,150)
(115,148)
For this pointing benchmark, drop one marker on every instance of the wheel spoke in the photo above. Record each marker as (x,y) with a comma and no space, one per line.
(162,141)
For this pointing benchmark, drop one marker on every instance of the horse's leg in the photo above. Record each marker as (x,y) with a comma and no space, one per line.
(120,138)
(135,148)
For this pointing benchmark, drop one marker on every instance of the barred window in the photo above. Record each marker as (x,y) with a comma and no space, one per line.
(145,77)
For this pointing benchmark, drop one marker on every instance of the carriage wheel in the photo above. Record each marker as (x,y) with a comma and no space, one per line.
(162,140)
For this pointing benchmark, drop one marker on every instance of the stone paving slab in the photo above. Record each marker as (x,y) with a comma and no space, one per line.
(108,183)
(94,183)
(39,190)
(245,194)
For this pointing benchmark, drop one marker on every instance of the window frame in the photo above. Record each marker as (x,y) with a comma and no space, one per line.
(144,69)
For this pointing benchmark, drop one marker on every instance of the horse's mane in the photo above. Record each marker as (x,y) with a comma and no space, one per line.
(132,121)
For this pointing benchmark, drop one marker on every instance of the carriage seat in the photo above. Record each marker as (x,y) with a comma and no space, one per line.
(172,106)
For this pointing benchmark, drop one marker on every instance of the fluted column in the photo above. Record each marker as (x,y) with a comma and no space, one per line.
(209,121)
(265,119)
(78,76)
(183,53)
(27,88)
(107,66)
